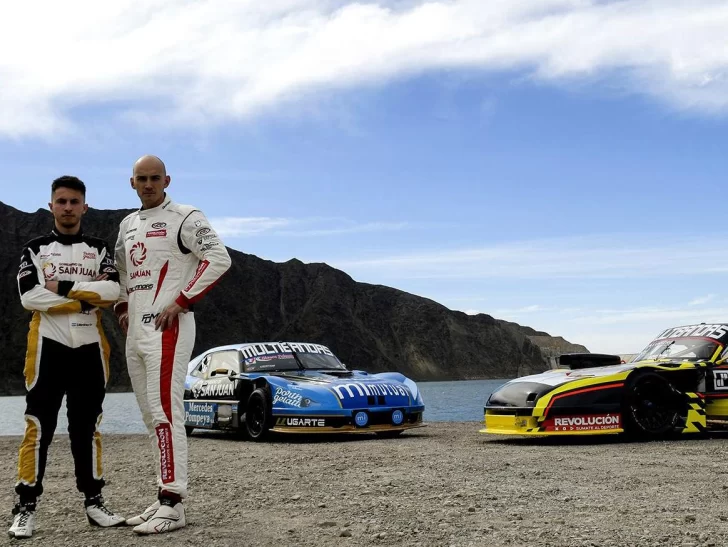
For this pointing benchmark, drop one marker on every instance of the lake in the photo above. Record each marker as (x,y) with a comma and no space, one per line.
(444,402)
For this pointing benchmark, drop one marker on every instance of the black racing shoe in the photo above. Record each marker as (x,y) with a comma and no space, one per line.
(100,515)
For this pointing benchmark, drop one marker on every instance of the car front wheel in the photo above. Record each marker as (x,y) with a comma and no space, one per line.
(258,415)
(651,406)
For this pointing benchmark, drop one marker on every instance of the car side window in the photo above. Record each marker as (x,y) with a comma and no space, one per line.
(201,368)
(222,363)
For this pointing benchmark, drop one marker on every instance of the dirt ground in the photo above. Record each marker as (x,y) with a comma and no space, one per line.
(445,484)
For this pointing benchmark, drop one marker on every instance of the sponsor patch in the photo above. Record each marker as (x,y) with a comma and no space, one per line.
(144,287)
(24,265)
(89,256)
(49,270)
(21,275)
(202,231)
(591,422)
(138,254)
(148,318)
(140,273)
(159,225)
(202,266)
(157,233)
(166,452)
(198,223)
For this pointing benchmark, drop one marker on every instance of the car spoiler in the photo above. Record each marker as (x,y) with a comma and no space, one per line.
(575,361)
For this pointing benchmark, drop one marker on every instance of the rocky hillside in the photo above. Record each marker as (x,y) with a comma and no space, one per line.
(369,327)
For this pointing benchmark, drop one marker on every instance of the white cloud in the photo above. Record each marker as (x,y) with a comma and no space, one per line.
(605,257)
(297,227)
(199,62)
(701,300)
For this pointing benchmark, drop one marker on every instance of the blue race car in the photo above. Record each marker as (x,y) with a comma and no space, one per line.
(294,387)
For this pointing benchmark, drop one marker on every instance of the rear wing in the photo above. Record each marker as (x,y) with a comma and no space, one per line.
(575,361)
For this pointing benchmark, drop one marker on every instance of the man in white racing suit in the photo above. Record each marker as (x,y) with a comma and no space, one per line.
(168,256)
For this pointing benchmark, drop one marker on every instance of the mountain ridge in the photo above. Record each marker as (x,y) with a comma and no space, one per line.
(369,327)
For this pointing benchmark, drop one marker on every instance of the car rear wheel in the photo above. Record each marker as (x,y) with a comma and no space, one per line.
(651,406)
(258,415)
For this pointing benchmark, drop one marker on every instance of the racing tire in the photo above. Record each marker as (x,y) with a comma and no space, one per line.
(390,434)
(189,430)
(258,417)
(651,407)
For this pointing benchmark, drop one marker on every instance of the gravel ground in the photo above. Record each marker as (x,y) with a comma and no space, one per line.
(441,485)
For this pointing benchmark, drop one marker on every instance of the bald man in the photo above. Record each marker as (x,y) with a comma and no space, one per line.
(168,256)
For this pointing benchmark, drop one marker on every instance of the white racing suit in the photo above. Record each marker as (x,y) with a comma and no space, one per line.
(166,254)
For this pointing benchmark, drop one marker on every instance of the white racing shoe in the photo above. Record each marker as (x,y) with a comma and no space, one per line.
(144,516)
(99,515)
(23,522)
(167,518)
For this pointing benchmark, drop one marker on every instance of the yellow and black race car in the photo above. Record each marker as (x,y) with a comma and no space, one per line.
(677,384)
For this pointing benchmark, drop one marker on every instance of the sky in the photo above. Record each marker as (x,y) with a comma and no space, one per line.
(558,163)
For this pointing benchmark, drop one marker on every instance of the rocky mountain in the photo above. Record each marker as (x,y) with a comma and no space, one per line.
(369,327)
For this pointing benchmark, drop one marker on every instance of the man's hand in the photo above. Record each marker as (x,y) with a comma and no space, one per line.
(165,319)
(124,322)
(52,286)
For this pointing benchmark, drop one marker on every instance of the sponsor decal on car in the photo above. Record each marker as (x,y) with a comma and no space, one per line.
(199,414)
(359,389)
(591,422)
(708,331)
(271,348)
(285,397)
(301,422)
(721,379)
(203,389)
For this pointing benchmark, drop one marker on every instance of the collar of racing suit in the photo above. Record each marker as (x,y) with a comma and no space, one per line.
(144,213)
(67,239)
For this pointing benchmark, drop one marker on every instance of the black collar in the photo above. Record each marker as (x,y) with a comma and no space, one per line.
(67,239)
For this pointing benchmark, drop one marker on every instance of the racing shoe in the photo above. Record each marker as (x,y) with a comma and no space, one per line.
(23,522)
(168,517)
(144,516)
(99,515)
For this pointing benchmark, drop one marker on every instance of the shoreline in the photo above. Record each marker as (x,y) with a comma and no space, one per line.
(444,484)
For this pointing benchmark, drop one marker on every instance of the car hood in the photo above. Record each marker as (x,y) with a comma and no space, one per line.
(561,376)
(354,390)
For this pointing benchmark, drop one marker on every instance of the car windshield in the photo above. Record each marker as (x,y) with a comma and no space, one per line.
(684,349)
(320,361)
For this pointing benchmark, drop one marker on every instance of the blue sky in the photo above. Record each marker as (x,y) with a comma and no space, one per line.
(556,163)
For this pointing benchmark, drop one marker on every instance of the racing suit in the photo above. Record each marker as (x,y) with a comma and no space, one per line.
(67,354)
(165,254)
